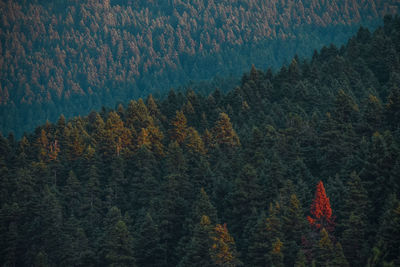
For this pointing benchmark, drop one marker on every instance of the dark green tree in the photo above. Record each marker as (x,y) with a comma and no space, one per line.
(118,246)
(147,247)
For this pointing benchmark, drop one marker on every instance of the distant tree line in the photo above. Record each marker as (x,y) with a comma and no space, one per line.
(71,57)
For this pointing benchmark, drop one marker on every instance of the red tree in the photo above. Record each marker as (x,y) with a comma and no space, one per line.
(321,212)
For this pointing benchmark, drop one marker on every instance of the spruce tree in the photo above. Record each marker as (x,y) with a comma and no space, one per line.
(355,221)
(199,248)
(118,246)
(147,242)
(258,243)
(223,249)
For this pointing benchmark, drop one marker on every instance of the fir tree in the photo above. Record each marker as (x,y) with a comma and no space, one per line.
(321,210)
(118,246)
(147,243)
(223,250)
(198,251)
(223,132)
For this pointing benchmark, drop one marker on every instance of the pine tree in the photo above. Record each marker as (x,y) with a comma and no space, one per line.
(179,128)
(324,250)
(118,246)
(48,226)
(276,255)
(142,184)
(393,106)
(118,183)
(92,205)
(321,210)
(203,206)
(172,211)
(193,142)
(41,260)
(77,251)
(293,227)
(373,114)
(346,110)
(223,132)
(245,197)
(258,243)
(152,107)
(223,250)
(72,195)
(387,243)
(198,251)
(355,221)
(147,242)
(301,260)
(137,116)
(339,259)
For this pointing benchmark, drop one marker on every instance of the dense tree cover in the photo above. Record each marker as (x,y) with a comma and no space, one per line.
(71,57)
(291,168)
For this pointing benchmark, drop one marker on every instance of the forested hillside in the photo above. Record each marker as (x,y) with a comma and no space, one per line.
(291,168)
(70,57)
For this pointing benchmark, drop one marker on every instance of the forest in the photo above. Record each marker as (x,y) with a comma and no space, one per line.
(294,167)
(71,57)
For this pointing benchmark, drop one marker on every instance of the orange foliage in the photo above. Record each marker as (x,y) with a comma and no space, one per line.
(321,210)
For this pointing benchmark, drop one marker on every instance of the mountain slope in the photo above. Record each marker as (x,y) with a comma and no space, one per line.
(72,57)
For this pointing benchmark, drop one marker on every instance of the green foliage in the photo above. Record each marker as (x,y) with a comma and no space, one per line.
(149,185)
(147,243)
(118,246)
(198,252)
(87,54)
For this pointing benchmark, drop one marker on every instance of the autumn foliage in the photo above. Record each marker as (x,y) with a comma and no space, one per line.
(321,212)
(223,251)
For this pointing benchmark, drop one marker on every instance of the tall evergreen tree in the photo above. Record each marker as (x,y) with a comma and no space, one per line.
(321,210)
(118,246)
(198,251)
(147,243)
(223,249)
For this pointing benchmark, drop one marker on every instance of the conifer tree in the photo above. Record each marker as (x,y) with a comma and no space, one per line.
(387,243)
(301,260)
(147,242)
(193,142)
(141,170)
(199,249)
(92,205)
(48,227)
(223,132)
(118,183)
(137,116)
(118,246)
(339,258)
(223,250)
(346,110)
(245,197)
(179,128)
(152,107)
(258,243)
(321,210)
(355,221)
(41,260)
(275,255)
(203,206)
(373,114)
(73,195)
(393,106)
(324,250)
(294,229)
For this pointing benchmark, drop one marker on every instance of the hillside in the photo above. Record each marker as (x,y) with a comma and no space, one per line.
(70,57)
(296,166)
